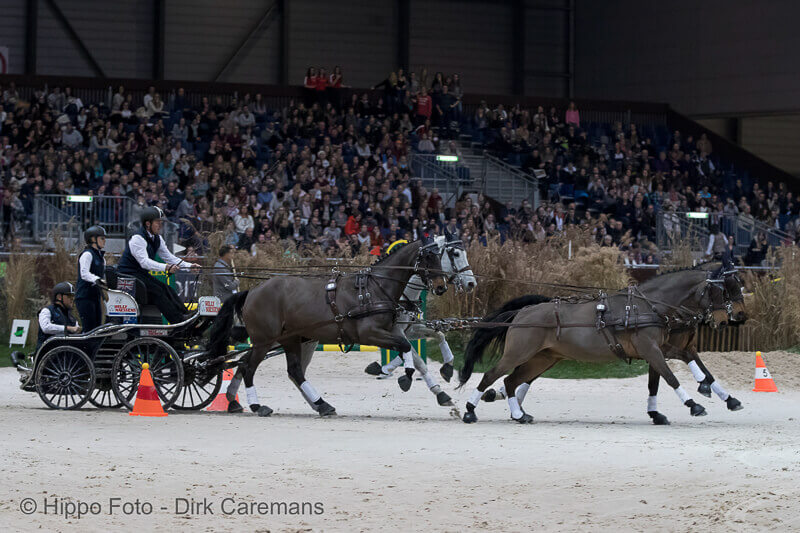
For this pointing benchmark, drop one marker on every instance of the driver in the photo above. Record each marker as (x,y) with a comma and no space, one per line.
(56,319)
(139,258)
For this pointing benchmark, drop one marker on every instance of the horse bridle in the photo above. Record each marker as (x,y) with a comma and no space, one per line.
(728,299)
(455,277)
(424,273)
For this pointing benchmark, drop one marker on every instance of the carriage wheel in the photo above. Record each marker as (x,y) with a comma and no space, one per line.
(103,396)
(65,378)
(165,367)
(201,384)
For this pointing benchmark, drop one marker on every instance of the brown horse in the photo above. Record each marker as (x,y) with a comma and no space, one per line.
(539,336)
(297,313)
(681,344)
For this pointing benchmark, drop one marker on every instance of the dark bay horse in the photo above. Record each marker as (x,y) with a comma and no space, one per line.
(541,335)
(680,344)
(297,313)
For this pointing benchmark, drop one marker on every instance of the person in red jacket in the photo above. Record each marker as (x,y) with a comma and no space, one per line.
(353,225)
(424,106)
(310,86)
(320,88)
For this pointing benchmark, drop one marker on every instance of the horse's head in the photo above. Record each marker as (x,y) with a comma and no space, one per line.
(429,266)
(456,264)
(725,292)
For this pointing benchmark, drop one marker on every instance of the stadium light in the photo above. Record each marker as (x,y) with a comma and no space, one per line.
(447,158)
(79,198)
(696,214)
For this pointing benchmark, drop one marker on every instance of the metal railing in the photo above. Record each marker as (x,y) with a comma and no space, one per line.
(441,175)
(673,227)
(520,185)
(53,212)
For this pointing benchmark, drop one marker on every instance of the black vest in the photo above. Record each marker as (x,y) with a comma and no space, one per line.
(58,315)
(85,289)
(128,264)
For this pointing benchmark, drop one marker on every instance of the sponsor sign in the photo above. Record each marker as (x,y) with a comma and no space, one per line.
(121,305)
(154,332)
(209,305)
(19,332)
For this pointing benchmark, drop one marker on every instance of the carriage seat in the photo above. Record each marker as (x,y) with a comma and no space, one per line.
(148,313)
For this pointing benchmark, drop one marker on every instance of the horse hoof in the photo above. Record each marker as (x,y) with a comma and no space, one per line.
(489,396)
(263,410)
(524,419)
(658,418)
(254,407)
(404,382)
(446,371)
(235,407)
(326,409)
(374,369)
(444,399)
(470,417)
(734,404)
(704,389)
(697,410)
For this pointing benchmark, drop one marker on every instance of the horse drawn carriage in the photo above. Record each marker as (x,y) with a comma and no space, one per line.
(102,366)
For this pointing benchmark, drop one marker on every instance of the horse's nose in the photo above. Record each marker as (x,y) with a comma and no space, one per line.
(470,285)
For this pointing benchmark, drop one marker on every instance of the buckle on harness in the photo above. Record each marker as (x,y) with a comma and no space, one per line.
(330,286)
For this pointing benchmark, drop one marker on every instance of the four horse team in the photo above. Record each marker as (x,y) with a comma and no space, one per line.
(654,321)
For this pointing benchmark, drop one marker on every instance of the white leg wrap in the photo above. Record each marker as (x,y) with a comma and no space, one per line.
(447,353)
(393,365)
(698,374)
(652,403)
(408,359)
(682,394)
(501,392)
(252,395)
(475,398)
(429,380)
(310,392)
(516,410)
(521,391)
(720,391)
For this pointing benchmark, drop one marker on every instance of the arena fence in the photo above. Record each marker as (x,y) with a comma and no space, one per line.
(695,228)
(71,214)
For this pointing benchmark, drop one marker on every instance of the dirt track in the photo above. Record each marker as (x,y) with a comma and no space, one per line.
(590,462)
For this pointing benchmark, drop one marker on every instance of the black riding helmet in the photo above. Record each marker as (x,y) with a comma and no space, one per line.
(94,231)
(65,287)
(150,214)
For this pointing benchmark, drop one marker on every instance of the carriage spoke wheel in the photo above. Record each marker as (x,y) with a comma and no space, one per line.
(165,367)
(103,396)
(201,385)
(65,378)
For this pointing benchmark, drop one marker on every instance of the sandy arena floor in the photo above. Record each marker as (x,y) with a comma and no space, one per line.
(591,462)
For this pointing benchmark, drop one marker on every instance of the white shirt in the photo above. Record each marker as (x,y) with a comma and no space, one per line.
(711,240)
(46,326)
(85,261)
(139,250)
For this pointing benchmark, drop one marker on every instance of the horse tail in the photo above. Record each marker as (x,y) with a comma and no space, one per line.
(494,336)
(220,331)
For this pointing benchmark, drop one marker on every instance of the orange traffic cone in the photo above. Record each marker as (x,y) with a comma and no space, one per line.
(764,381)
(220,403)
(147,402)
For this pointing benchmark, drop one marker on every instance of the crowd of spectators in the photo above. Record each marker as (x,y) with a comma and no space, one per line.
(330,172)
